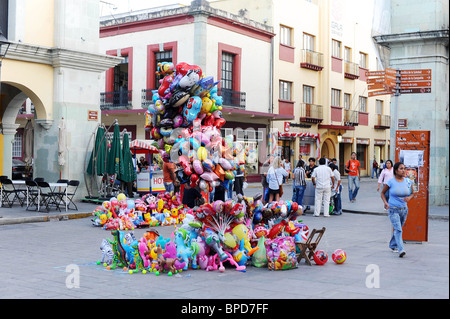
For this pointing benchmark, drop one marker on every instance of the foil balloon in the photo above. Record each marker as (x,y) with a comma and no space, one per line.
(192,108)
(209,176)
(208,165)
(225,164)
(198,167)
(202,153)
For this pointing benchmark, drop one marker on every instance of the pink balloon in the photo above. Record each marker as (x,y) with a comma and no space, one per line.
(209,176)
(198,167)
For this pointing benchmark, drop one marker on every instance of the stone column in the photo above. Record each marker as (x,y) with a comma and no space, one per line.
(8,131)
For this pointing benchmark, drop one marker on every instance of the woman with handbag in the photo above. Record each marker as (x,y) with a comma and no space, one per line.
(275,180)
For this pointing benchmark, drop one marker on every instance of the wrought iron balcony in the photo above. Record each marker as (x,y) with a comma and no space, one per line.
(231,98)
(351,118)
(311,113)
(311,60)
(351,70)
(116,100)
(382,121)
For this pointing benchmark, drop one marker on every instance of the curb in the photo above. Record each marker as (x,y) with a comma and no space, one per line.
(37,219)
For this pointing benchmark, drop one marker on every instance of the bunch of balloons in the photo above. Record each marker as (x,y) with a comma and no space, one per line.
(184,120)
(122,213)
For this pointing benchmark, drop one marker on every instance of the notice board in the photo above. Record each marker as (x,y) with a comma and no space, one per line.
(413,149)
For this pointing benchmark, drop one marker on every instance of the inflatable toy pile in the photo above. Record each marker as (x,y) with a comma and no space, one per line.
(236,232)
(126,214)
(184,121)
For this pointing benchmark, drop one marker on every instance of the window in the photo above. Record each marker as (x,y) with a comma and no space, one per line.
(17,145)
(362,104)
(285,35)
(335,97)
(347,54)
(163,56)
(363,60)
(227,70)
(347,101)
(379,107)
(308,94)
(285,90)
(308,42)
(336,48)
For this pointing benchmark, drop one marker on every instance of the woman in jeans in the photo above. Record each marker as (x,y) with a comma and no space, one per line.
(400,193)
(299,183)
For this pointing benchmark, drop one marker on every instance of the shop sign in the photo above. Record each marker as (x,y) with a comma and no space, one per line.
(348,140)
(362,141)
(379,142)
(286,126)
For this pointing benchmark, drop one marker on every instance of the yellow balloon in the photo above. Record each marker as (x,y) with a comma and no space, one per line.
(202,153)
(229,240)
(241,232)
(121,196)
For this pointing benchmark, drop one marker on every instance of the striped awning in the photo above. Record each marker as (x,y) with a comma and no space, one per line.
(143,146)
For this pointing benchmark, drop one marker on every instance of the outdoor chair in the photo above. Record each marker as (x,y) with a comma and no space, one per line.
(49,198)
(10,194)
(307,248)
(39,179)
(71,191)
(33,194)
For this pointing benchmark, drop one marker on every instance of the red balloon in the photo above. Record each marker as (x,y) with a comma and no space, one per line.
(219,123)
(320,257)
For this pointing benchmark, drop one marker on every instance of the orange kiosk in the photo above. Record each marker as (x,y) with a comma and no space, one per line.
(412,148)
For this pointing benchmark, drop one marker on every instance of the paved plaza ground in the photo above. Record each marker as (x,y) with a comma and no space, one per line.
(44,259)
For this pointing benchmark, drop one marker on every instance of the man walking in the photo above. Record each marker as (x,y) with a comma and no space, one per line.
(321,178)
(354,174)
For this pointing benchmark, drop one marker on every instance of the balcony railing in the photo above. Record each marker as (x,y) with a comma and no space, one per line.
(117,100)
(382,121)
(311,113)
(311,60)
(351,118)
(231,98)
(351,70)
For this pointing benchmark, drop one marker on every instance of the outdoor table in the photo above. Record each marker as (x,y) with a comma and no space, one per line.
(54,186)
(19,185)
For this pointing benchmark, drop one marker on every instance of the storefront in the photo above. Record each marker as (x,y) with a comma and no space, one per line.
(362,154)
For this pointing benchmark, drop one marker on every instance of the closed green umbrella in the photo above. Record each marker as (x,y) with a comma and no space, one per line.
(98,155)
(115,158)
(129,172)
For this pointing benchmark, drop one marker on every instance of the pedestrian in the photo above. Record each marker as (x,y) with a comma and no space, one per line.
(287,168)
(219,191)
(400,193)
(375,168)
(381,167)
(321,178)
(310,168)
(275,180)
(353,168)
(264,169)
(239,180)
(169,178)
(192,196)
(386,174)
(299,180)
(336,189)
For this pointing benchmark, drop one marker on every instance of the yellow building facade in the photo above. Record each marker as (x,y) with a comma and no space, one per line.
(53,64)
(321,52)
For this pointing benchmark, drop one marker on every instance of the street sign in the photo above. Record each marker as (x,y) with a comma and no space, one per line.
(391,72)
(377,86)
(416,72)
(409,78)
(376,93)
(375,73)
(414,84)
(415,90)
(375,80)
